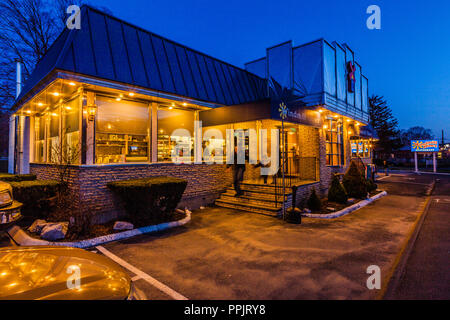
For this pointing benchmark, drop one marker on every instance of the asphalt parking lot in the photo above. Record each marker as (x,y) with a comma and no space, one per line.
(228,254)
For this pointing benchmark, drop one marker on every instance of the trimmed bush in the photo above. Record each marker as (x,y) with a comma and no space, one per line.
(7,177)
(314,203)
(150,200)
(371,186)
(355,183)
(337,192)
(37,196)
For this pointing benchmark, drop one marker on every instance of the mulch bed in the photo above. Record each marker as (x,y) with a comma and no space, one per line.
(339,206)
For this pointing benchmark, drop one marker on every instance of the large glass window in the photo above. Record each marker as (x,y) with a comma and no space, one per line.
(53,145)
(175,134)
(214,143)
(361,148)
(71,131)
(334,138)
(122,131)
(39,135)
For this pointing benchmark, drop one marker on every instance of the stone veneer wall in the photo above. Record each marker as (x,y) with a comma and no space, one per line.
(205,183)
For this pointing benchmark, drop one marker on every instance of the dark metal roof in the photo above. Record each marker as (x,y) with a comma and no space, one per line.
(108,48)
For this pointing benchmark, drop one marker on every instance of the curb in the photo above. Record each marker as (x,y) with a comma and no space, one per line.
(397,270)
(347,210)
(23,239)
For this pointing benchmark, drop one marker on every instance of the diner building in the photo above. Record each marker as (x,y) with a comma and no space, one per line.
(113,100)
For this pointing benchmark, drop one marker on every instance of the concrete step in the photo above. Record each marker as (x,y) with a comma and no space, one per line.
(258,196)
(249,207)
(269,189)
(250,201)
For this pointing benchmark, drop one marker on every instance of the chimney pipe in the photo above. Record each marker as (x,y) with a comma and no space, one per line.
(18,76)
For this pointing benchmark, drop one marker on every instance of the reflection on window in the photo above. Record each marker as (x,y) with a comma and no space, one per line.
(361,148)
(214,146)
(334,146)
(39,126)
(71,131)
(175,128)
(53,145)
(122,131)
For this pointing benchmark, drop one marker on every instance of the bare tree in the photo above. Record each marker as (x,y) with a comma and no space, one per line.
(28,29)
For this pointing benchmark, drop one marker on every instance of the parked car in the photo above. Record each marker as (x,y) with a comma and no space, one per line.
(9,209)
(61,273)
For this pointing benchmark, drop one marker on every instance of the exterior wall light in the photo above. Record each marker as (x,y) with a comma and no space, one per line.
(91,110)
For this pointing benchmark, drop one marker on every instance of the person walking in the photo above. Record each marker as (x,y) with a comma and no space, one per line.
(238,173)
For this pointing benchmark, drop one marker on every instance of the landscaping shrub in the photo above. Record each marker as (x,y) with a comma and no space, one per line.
(150,200)
(371,186)
(314,203)
(7,177)
(337,192)
(37,196)
(355,183)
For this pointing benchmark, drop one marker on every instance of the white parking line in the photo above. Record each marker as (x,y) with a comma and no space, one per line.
(159,285)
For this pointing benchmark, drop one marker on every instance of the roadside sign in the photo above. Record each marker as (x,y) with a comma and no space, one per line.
(424,146)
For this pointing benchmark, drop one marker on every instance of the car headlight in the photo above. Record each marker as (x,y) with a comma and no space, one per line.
(5,199)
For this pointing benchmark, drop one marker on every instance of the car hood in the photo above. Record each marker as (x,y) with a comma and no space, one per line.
(50,273)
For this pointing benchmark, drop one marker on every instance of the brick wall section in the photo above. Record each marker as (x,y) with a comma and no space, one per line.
(205,183)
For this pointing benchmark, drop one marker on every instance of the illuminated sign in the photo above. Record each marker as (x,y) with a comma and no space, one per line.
(354,149)
(424,146)
(351,76)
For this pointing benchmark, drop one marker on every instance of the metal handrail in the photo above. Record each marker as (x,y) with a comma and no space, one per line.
(297,169)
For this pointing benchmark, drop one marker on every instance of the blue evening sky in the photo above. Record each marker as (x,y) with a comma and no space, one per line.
(407,61)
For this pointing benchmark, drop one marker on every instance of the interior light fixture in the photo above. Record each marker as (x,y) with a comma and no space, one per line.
(91,110)
(56,94)
(118,99)
(72,83)
(40,104)
(325,126)
(131,94)
(184,104)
